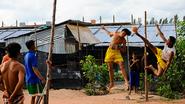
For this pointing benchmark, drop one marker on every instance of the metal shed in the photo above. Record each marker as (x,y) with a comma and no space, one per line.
(67,37)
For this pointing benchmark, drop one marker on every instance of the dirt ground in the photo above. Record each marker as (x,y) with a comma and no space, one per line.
(116,96)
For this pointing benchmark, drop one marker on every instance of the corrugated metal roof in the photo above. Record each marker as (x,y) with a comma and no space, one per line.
(85,35)
(5,33)
(168,30)
(10,33)
(19,32)
(73,22)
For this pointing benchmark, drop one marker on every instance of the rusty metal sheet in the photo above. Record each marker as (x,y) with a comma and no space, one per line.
(83,34)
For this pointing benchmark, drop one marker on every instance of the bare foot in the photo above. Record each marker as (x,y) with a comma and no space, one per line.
(148,67)
(126,86)
(136,90)
(110,86)
(129,93)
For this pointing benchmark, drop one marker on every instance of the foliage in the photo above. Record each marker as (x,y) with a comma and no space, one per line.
(97,75)
(118,76)
(181,29)
(142,81)
(172,83)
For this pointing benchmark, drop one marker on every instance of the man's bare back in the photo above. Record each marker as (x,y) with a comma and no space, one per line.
(12,73)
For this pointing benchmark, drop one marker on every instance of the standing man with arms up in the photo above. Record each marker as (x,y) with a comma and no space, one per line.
(113,54)
(12,75)
(34,79)
(165,56)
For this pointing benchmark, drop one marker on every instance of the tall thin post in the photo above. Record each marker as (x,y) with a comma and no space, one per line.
(175,22)
(2,24)
(113,17)
(128,59)
(46,100)
(35,26)
(16,23)
(132,19)
(78,29)
(83,19)
(145,60)
(100,19)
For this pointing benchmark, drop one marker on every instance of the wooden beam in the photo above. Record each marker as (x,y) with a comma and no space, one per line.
(145,59)
(46,98)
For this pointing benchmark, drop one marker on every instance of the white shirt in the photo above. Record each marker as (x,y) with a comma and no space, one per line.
(167,51)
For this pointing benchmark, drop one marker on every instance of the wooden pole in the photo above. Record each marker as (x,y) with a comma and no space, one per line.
(2,24)
(145,61)
(175,22)
(128,61)
(35,29)
(16,23)
(113,17)
(78,29)
(132,19)
(83,19)
(100,19)
(46,100)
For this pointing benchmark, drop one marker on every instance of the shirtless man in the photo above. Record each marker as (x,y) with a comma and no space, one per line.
(12,76)
(113,54)
(164,57)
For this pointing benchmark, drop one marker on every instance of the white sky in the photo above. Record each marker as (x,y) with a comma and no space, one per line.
(40,11)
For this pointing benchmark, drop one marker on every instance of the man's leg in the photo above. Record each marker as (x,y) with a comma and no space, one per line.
(149,45)
(131,77)
(33,100)
(124,74)
(111,74)
(158,72)
(136,81)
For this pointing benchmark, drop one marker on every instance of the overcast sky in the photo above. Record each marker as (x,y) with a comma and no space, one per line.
(40,11)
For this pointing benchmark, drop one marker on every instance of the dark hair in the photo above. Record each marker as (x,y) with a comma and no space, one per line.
(13,49)
(30,43)
(172,40)
(128,32)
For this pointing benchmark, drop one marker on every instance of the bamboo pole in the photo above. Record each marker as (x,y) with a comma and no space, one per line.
(100,19)
(113,18)
(128,60)
(35,29)
(175,23)
(132,19)
(46,100)
(78,29)
(145,60)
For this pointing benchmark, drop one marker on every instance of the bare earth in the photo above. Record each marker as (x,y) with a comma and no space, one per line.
(116,96)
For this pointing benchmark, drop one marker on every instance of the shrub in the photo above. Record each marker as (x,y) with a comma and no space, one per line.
(96,75)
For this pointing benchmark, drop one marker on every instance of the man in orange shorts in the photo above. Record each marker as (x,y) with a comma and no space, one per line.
(113,54)
(165,56)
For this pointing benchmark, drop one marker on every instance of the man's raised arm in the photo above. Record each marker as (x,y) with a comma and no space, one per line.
(108,32)
(160,33)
